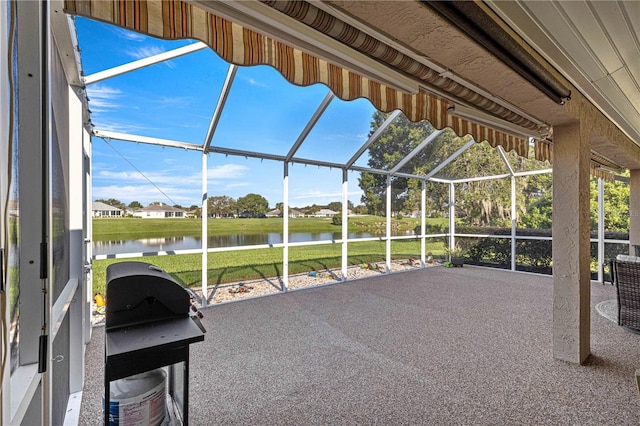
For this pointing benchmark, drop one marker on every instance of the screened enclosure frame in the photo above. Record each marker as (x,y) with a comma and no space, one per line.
(208,147)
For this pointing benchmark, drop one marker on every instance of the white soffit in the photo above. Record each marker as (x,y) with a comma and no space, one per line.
(595,44)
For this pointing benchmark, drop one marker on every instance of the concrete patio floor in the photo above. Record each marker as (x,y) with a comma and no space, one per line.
(435,346)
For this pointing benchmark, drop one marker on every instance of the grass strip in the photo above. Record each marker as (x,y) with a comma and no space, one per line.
(244,265)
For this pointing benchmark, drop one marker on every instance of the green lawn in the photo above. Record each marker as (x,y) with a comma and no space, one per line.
(239,265)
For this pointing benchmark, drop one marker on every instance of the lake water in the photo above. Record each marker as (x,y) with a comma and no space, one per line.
(187,243)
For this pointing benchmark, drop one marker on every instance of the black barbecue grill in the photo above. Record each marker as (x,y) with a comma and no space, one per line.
(149,323)
(140,293)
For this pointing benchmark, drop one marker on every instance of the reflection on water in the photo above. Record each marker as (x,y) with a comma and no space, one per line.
(187,243)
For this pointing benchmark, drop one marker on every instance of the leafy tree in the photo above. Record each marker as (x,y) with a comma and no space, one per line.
(483,202)
(135,205)
(253,205)
(336,206)
(280,206)
(221,206)
(372,197)
(396,141)
(337,219)
(539,213)
(197,211)
(538,198)
(360,209)
(534,196)
(113,203)
(616,205)
(313,209)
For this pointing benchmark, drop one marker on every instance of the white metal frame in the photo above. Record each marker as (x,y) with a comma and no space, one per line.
(290,158)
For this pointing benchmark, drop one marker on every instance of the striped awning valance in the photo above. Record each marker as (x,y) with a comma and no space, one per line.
(174,19)
(597,171)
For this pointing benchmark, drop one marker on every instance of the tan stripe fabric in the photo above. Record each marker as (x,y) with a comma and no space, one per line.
(543,151)
(341,31)
(596,171)
(170,19)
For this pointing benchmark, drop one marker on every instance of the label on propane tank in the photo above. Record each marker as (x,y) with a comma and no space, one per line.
(144,409)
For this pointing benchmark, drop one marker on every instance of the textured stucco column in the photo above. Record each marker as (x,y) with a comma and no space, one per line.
(634,210)
(571,269)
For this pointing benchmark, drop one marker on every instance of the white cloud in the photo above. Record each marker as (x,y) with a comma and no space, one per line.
(128,35)
(145,51)
(227,171)
(119,127)
(255,82)
(148,51)
(146,194)
(238,185)
(161,178)
(103,97)
(172,102)
(323,195)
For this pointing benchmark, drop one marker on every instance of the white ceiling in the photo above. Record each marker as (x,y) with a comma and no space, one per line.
(595,44)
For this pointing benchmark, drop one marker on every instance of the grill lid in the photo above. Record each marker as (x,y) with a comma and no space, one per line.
(138,293)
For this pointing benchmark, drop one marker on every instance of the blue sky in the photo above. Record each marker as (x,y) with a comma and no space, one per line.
(175,100)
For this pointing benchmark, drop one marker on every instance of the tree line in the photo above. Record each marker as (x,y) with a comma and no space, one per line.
(250,205)
(255,205)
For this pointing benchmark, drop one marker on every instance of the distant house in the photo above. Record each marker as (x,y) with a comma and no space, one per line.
(295,213)
(325,213)
(100,209)
(273,213)
(292,213)
(159,211)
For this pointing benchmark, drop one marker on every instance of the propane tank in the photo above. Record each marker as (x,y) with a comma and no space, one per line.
(138,400)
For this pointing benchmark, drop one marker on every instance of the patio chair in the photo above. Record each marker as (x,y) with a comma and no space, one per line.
(625,273)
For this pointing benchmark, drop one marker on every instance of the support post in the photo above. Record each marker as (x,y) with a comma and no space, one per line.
(205,241)
(388,229)
(634,210)
(452,216)
(571,246)
(423,223)
(600,229)
(345,223)
(513,222)
(285,228)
